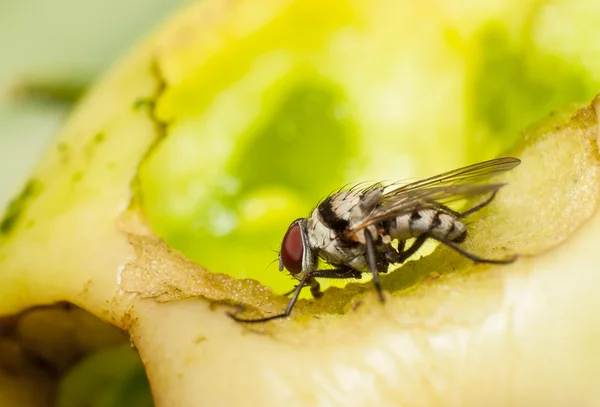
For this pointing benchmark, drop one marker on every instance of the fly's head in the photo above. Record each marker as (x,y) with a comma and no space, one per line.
(296,254)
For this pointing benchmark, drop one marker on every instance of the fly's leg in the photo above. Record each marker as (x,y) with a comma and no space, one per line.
(315,288)
(287,294)
(469,255)
(402,255)
(373,263)
(416,245)
(480,206)
(401,247)
(288,310)
(392,255)
(340,273)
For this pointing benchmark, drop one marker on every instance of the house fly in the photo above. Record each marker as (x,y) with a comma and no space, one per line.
(352,230)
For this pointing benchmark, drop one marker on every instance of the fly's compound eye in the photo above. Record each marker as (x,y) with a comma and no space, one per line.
(292,249)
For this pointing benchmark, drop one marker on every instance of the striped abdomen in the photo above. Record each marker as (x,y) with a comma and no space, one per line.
(434,221)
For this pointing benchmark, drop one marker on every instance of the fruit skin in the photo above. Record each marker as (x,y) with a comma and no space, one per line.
(82,237)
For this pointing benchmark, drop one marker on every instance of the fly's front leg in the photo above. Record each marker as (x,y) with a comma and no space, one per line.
(288,293)
(288,310)
(340,273)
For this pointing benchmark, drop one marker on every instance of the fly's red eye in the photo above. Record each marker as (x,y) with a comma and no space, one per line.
(292,249)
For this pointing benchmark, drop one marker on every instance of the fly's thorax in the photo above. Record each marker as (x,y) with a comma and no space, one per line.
(435,221)
(344,209)
(359,263)
(335,210)
(319,234)
(331,245)
(359,235)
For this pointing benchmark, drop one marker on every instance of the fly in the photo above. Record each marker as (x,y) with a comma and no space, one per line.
(353,230)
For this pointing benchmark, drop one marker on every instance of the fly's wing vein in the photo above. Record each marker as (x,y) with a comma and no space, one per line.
(439,191)
(470,174)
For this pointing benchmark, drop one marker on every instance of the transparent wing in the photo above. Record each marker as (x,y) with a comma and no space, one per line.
(470,174)
(439,190)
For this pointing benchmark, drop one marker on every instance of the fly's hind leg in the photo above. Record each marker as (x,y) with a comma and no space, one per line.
(480,206)
(469,255)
